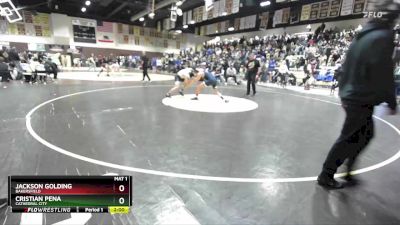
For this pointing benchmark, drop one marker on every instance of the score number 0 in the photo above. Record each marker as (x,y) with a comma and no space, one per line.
(121,200)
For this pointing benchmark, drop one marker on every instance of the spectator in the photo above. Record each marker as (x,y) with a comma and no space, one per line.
(4,71)
(231,72)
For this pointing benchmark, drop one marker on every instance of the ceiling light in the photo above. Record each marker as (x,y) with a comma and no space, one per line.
(216,32)
(141,19)
(83,9)
(224,13)
(231,29)
(192,22)
(152,14)
(265,3)
(185,26)
(88,3)
(178,31)
(179,3)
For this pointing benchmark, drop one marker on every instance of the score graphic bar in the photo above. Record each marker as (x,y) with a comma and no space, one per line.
(66,194)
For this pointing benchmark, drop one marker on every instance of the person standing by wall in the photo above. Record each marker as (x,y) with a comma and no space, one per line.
(4,71)
(253,67)
(367,80)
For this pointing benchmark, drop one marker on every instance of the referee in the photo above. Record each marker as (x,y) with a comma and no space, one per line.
(367,80)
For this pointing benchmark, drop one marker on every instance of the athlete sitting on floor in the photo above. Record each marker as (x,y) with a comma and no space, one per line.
(182,81)
(205,79)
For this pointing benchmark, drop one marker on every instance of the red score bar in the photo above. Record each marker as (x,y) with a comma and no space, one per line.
(84,189)
(65,185)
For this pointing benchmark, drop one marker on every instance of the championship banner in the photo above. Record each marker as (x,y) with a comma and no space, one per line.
(219,27)
(4,27)
(295,14)
(216,9)
(38,31)
(30,29)
(225,26)
(221,8)
(46,31)
(314,11)
(120,28)
(189,17)
(347,7)
(28,17)
(285,15)
(237,24)
(44,19)
(209,4)
(159,26)
(305,12)
(251,21)
(277,17)
(194,15)
(165,24)
(21,29)
(172,24)
(125,29)
(12,29)
(131,32)
(242,23)
(136,31)
(126,39)
(324,10)
(200,12)
(228,6)
(210,28)
(40,19)
(137,40)
(203,30)
(210,14)
(205,14)
(264,18)
(358,6)
(235,6)
(335,8)
(184,18)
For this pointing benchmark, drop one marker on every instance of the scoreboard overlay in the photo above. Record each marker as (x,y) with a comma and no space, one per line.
(70,194)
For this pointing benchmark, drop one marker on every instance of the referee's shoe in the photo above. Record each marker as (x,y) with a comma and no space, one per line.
(3,202)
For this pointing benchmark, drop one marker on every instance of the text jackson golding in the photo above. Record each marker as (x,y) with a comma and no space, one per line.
(37,188)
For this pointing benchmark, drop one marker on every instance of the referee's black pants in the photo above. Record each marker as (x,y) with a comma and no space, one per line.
(145,74)
(251,80)
(357,132)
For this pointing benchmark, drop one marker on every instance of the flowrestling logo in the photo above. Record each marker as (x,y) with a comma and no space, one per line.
(370,14)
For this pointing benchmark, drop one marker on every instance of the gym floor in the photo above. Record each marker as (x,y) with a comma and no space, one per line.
(253,166)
